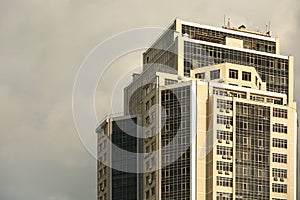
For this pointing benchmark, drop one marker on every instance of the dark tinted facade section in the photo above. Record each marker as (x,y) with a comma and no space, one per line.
(175,137)
(220,38)
(273,71)
(163,51)
(124,184)
(252,151)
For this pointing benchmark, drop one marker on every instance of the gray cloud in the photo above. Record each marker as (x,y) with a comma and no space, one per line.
(42,46)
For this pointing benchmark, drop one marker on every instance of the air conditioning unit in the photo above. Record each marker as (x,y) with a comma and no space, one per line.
(275,179)
(228,157)
(227,111)
(227,142)
(220,172)
(228,126)
(227,173)
(281,179)
(220,140)
(221,110)
(224,157)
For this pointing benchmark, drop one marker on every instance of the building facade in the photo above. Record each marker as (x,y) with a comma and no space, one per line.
(215,118)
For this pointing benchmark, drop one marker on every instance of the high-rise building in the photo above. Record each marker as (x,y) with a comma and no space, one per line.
(214,117)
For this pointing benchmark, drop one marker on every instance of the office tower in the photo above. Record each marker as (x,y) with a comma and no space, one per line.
(217,112)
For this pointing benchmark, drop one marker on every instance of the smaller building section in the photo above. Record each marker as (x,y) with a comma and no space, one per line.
(116,170)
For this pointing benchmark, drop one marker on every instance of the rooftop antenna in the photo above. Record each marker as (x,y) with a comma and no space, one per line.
(228,23)
(269,29)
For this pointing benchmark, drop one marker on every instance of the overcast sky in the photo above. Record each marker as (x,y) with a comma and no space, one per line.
(43,43)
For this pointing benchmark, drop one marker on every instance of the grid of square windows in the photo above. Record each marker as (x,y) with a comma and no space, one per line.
(224,151)
(124,184)
(224,166)
(224,104)
(280,143)
(224,119)
(279,188)
(279,158)
(279,173)
(224,181)
(280,113)
(175,183)
(279,128)
(252,151)
(224,135)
